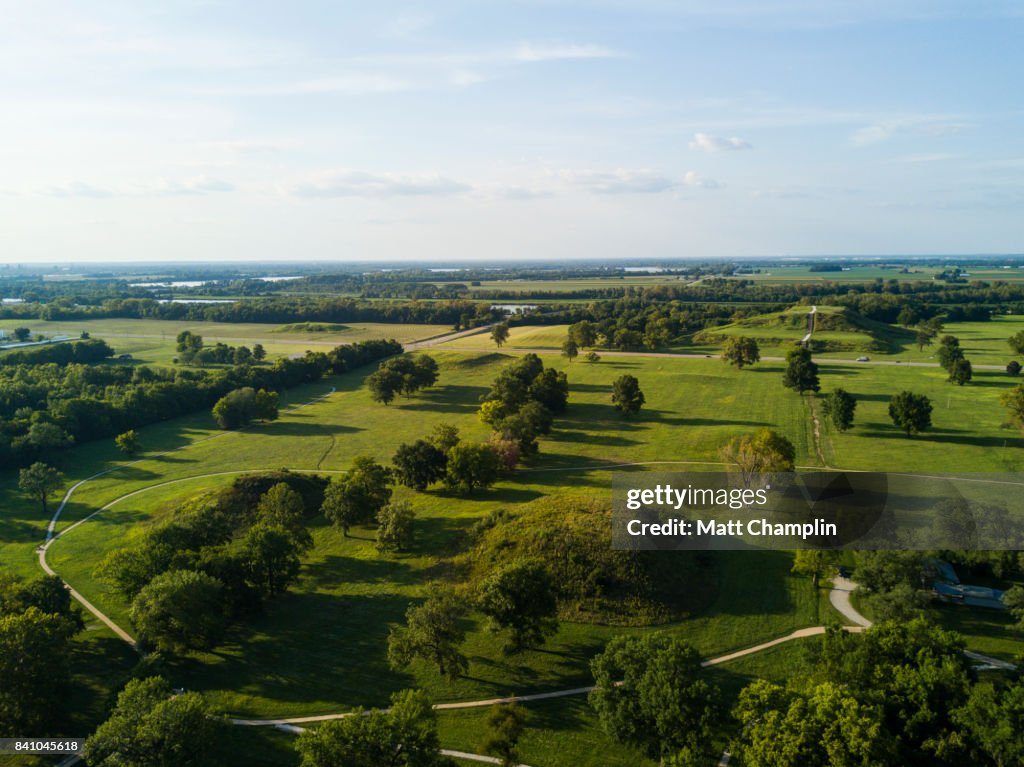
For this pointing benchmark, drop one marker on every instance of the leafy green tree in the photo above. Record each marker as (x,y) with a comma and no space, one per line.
(444,437)
(507,450)
(180,610)
(242,406)
(570,350)
(151,727)
(242,355)
(396,527)
(651,692)
(45,436)
(764,452)
(34,671)
(499,334)
(839,407)
(1016,342)
(21,335)
(40,481)
(911,412)
(47,593)
(258,352)
(814,562)
(281,505)
(1013,400)
(521,597)
(626,395)
(357,496)
(1013,598)
(129,443)
(825,727)
(801,372)
(419,464)
(384,383)
(1013,368)
(471,466)
(960,372)
(740,351)
(949,351)
(506,723)
(994,718)
(591,357)
(433,632)
(925,336)
(270,557)
(583,333)
(404,736)
(550,388)
(188,342)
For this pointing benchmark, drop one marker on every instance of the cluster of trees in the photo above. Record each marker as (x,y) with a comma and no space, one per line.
(37,624)
(402,375)
(46,407)
(241,407)
(951,358)
(65,353)
(191,351)
(217,559)
(521,405)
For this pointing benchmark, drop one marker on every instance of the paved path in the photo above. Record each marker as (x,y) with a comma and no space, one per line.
(840,599)
(426,343)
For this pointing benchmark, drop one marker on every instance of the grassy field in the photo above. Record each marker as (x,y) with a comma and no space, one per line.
(152,341)
(320,647)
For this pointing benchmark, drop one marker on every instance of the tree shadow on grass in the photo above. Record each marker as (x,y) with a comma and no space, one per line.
(948,437)
(335,570)
(311,429)
(585,437)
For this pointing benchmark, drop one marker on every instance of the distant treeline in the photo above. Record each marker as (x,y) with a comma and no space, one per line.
(82,352)
(46,407)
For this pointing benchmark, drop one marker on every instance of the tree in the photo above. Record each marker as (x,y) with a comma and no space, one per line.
(839,407)
(569,349)
(129,443)
(404,736)
(813,562)
(506,449)
(21,335)
(471,466)
(444,437)
(242,355)
(258,352)
(740,351)
(626,395)
(384,383)
(433,632)
(506,723)
(651,692)
(925,337)
(764,452)
(395,527)
(281,505)
(180,610)
(1016,342)
(269,555)
(44,435)
(801,372)
(1013,598)
(40,480)
(583,333)
(550,388)
(34,671)
(188,342)
(152,727)
(911,412)
(825,727)
(499,334)
(242,406)
(995,720)
(1013,399)
(520,597)
(591,357)
(949,351)
(357,496)
(960,372)
(1013,368)
(419,464)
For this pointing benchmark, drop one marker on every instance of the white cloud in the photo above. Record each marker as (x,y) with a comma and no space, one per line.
(353,183)
(530,52)
(620,181)
(75,189)
(918,126)
(201,184)
(465,78)
(409,24)
(705,142)
(694,179)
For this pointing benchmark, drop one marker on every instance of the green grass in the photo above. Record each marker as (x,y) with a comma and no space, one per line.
(152,341)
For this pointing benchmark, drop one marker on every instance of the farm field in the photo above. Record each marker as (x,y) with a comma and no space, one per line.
(152,341)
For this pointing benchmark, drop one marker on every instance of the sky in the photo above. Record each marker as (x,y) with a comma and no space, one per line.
(203,130)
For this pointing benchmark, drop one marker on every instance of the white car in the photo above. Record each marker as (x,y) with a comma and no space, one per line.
(863,359)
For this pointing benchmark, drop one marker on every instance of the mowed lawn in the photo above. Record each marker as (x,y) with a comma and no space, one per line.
(322,647)
(152,341)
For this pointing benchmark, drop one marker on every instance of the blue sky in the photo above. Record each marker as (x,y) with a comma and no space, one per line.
(208,130)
